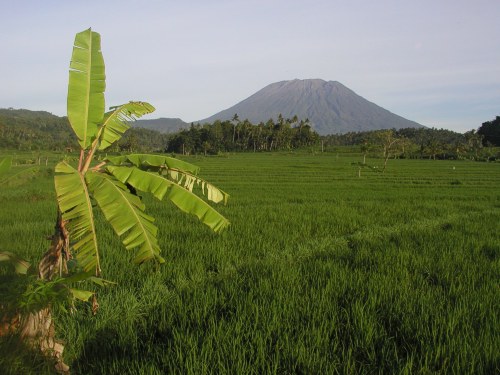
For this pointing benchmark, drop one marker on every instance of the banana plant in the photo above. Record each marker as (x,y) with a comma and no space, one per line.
(113,184)
(27,300)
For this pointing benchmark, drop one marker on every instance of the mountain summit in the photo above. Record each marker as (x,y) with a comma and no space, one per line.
(330,107)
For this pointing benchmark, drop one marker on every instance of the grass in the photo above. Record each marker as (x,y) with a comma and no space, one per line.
(321,271)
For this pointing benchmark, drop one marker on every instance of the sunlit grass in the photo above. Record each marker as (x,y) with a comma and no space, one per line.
(321,271)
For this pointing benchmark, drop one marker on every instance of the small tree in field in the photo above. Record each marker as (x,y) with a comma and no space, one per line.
(366,146)
(388,142)
(111,185)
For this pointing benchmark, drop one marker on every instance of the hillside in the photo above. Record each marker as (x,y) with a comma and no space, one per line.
(34,130)
(330,106)
(162,125)
(23,129)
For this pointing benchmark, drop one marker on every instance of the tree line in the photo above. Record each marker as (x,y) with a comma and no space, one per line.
(419,143)
(235,135)
(22,129)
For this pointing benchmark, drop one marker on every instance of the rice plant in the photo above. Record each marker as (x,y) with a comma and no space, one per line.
(321,271)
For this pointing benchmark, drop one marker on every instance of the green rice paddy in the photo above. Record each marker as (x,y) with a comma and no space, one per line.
(322,271)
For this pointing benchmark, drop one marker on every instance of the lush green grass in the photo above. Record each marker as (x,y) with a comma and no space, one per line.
(321,272)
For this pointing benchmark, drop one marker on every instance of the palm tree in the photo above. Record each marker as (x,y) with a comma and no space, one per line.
(235,121)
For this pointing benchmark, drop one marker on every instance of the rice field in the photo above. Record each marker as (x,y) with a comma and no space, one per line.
(323,271)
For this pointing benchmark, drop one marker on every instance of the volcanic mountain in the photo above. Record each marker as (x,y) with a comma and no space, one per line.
(330,107)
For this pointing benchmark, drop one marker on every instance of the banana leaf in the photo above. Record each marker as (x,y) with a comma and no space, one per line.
(125,212)
(161,187)
(86,87)
(76,207)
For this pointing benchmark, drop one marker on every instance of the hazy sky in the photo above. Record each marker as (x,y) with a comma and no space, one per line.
(436,62)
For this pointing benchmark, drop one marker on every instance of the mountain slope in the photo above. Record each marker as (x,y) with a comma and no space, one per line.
(22,129)
(162,125)
(34,130)
(330,106)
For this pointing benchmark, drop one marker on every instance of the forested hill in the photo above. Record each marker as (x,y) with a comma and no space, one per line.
(162,124)
(22,129)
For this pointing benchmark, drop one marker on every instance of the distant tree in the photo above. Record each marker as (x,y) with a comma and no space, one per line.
(206,147)
(406,146)
(433,148)
(490,131)
(141,140)
(387,140)
(474,144)
(243,136)
(131,144)
(235,121)
(412,142)
(366,146)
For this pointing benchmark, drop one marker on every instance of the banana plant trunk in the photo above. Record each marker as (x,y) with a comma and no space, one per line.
(37,329)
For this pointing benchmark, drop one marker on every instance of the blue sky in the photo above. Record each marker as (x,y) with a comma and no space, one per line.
(436,62)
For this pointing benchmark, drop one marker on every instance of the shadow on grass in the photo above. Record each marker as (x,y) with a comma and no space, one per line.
(18,358)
